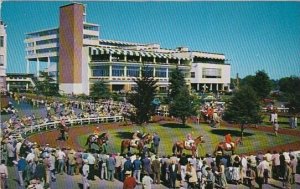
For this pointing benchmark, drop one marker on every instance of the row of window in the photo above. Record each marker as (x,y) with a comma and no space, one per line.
(43,33)
(132,71)
(47,41)
(47,50)
(209,73)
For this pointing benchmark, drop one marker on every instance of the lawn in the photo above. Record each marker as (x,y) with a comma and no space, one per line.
(170,132)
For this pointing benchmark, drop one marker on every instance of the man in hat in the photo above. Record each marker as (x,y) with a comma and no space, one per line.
(147,181)
(85,173)
(129,182)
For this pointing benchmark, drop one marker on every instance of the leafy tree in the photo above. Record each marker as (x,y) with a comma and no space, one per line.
(183,105)
(290,87)
(260,83)
(99,90)
(143,97)
(177,82)
(46,85)
(244,108)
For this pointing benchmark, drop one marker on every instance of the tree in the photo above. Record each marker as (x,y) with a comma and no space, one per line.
(99,90)
(143,97)
(290,87)
(177,82)
(244,108)
(262,84)
(182,106)
(46,85)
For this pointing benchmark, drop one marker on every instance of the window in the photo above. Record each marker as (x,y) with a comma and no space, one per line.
(1,60)
(211,73)
(118,71)
(102,70)
(1,41)
(133,71)
(149,72)
(161,72)
(192,74)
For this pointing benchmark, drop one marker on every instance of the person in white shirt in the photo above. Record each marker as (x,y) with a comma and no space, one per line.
(147,181)
(61,156)
(85,173)
(3,174)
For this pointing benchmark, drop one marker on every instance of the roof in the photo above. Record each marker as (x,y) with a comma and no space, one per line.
(103,50)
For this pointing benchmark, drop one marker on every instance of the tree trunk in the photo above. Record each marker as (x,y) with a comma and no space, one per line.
(183,120)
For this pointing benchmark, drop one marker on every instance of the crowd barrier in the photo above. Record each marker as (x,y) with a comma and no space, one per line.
(79,121)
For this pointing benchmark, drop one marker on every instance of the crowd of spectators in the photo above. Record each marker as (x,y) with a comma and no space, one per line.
(38,166)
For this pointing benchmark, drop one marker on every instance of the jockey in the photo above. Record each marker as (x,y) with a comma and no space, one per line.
(190,141)
(97,132)
(228,140)
(135,138)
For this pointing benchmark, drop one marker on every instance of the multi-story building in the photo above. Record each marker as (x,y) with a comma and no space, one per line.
(76,54)
(3,56)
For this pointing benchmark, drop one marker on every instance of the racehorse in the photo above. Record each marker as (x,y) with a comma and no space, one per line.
(100,141)
(179,146)
(223,146)
(126,143)
(63,131)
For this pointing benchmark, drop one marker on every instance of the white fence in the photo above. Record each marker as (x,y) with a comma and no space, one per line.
(79,121)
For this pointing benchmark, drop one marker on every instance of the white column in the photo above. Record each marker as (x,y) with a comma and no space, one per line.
(38,68)
(125,71)
(27,66)
(7,87)
(48,65)
(217,86)
(210,87)
(110,57)
(110,72)
(140,58)
(198,85)
(26,86)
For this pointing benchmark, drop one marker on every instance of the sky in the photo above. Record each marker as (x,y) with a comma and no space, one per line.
(252,35)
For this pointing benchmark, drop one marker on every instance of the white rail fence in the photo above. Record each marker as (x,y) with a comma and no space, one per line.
(79,121)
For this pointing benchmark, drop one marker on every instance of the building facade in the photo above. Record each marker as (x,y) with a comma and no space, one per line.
(78,57)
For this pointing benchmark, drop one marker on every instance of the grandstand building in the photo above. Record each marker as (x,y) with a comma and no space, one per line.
(78,57)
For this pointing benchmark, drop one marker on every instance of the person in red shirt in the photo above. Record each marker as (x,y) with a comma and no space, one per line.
(228,140)
(129,182)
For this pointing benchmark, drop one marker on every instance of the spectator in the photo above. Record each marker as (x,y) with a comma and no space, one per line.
(147,181)
(137,166)
(129,181)
(156,141)
(111,162)
(173,170)
(3,174)
(21,165)
(85,173)
(156,170)
(91,162)
(191,175)
(293,165)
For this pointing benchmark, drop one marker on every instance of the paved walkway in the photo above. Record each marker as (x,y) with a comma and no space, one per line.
(74,182)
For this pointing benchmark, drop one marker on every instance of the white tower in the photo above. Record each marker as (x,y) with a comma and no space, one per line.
(3,55)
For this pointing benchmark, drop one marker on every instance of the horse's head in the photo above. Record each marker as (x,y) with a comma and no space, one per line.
(238,141)
(199,139)
(147,138)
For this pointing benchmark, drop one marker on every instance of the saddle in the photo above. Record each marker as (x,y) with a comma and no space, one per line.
(134,142)
(188,144)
